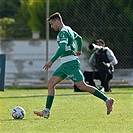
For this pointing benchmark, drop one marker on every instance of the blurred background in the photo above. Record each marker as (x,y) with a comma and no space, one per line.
(28,42)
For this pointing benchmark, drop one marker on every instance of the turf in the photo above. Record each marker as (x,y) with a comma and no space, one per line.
(71,112)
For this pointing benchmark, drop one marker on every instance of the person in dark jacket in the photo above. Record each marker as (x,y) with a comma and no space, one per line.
(102,62)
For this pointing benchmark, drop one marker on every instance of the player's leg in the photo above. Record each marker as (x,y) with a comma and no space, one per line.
(109,101)
(78,79)
(75,74)
(51,93)
(51,90)
(56,78)
(91,89)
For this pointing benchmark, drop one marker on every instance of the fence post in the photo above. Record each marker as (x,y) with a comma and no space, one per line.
(2,71)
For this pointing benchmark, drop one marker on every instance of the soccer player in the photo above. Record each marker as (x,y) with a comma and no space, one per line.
(70,65)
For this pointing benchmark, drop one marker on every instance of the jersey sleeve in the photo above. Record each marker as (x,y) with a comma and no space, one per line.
(63,41)
(58,53)
(78,40)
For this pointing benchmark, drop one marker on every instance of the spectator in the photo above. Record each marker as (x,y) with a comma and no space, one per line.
(102,62)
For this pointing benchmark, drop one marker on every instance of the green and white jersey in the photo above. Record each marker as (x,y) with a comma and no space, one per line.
(67,49)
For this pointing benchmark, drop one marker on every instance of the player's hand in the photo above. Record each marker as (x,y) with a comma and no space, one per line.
(78,53)
(47,65)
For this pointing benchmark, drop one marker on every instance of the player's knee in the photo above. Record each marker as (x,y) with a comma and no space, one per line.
(50,84)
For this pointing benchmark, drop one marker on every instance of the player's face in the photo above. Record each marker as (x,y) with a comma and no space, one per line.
(54,25)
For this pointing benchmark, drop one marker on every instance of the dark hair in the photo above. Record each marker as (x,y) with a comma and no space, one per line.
(101,41)
(55,16)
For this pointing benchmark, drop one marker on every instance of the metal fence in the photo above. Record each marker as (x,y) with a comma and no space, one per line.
(26,50)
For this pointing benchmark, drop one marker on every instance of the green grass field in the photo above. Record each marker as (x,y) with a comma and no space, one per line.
(71,112)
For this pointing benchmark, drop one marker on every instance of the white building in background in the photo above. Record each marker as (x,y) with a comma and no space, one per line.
(25,60)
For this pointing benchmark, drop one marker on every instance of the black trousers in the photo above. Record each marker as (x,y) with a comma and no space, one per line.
(103,75)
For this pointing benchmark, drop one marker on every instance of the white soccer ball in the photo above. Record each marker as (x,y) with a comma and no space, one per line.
(18,112)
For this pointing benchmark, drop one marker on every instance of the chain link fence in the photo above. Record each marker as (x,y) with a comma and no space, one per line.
(23,37)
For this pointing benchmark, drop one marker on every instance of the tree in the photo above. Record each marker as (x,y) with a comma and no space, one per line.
(4,23)
(92,19)
(21,28)
(9,9)
(37,13)
(7,13)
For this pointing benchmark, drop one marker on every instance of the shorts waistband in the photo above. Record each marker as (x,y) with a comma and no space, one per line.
(68,58)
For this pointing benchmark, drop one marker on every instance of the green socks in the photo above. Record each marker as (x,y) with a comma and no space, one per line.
(49,101)
(97,93)
(100,95)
